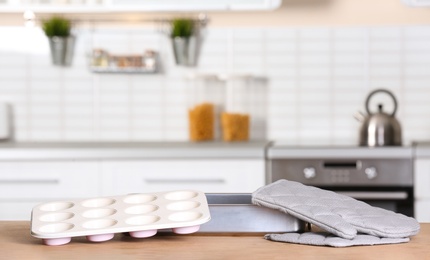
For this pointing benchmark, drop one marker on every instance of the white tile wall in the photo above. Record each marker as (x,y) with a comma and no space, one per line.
(319,77)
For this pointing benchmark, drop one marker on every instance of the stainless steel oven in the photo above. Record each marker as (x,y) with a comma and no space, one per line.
(382,177)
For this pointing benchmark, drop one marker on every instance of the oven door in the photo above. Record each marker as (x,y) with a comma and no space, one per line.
(385,183)
(397,199)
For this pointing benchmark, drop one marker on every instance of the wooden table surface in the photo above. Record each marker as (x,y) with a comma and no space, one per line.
(17,243)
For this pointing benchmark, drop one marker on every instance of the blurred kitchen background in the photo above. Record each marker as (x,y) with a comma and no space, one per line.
(321,58)
(81,131)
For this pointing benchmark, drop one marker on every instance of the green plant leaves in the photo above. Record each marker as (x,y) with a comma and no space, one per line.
(56,26)
(182,27)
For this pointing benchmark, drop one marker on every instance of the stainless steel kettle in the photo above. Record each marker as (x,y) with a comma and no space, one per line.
(380,128)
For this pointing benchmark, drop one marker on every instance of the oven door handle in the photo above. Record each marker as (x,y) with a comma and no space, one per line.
(376,195)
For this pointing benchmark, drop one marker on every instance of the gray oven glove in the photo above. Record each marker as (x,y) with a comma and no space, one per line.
(340,215)
(327,239)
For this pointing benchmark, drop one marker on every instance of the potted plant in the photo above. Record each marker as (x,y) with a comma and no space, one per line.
(184,33)
(61,41)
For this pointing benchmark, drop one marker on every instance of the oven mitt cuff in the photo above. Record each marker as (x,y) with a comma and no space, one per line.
(338,214)
(327,239)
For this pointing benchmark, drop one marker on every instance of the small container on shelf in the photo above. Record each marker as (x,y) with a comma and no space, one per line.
(205,104)
(102,61)
(99,58)
(244,117)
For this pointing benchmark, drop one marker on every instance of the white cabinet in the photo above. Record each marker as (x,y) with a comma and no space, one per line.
(238,175)
(23,184)
(422,189)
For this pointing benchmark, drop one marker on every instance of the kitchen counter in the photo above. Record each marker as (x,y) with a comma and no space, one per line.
(194,150)
(285,151)
(134,150)
(17,243)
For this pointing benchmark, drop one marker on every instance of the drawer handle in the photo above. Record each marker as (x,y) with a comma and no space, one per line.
(400,195)
(29,181)
(164,181)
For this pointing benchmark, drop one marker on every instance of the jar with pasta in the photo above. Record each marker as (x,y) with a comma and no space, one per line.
(244,117)
(206,100)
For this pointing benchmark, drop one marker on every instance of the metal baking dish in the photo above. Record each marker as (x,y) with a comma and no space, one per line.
(234,213)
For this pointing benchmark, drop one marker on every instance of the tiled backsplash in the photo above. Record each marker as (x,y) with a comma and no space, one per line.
(318,79)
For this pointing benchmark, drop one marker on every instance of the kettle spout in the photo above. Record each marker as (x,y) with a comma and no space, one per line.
(359,116)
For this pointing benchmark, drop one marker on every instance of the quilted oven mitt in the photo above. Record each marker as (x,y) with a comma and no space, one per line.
(337,214)
(327,239)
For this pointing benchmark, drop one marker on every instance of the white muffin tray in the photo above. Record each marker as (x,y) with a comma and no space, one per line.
(141,215)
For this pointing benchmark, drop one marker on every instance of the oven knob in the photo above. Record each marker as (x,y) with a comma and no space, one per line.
(309,172)
(371,173)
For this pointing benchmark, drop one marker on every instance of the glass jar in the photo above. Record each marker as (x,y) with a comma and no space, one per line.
(205,104)
(244,117)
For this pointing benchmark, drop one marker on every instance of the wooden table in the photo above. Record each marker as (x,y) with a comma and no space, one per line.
(17,243)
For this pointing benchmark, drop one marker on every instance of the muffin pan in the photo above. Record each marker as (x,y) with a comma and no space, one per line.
(141,215)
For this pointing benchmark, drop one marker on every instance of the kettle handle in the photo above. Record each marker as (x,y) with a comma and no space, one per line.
(385,91)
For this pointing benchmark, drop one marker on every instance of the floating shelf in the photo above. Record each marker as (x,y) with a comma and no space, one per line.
(116,6)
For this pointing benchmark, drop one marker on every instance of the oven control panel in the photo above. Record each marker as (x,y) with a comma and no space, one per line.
(336,176)
(343,172)
(340,176)
(338,172)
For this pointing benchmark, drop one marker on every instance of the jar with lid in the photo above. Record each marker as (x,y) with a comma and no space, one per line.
(206,101)
(244,117)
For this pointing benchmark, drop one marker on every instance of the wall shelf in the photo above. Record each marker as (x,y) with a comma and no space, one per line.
(116,6)
(102,61)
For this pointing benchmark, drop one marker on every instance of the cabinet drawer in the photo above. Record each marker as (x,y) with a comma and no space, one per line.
(422,178)
(17,210)
(48,180)
(203,175)
(422,210)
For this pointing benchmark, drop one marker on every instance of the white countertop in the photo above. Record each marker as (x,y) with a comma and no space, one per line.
(135,150)
(199,150)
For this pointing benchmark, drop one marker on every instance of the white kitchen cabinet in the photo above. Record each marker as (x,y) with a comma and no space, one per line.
(13,209)
(24,184)
(422,210)
(422,189)
(220,175)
